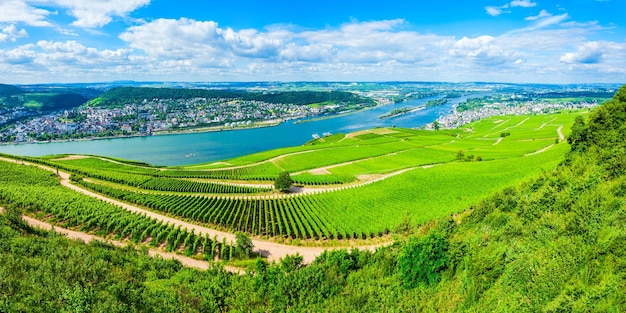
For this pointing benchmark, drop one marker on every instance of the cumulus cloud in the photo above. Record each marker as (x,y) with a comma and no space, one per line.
(187,38)
(72,52)
(21,55)
(373,42)
(11,33)
(355,42)
(588,53)
(485,51)
(309,53)
(97,13)
(18,11)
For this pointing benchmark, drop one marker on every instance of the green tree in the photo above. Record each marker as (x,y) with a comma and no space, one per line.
(243,244)
(578,137)
(283,182)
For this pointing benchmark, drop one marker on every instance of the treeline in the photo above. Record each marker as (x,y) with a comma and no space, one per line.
(121,96)
(40,101)
(572,94)
(10,90)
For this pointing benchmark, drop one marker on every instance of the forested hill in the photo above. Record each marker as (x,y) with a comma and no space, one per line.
(10,90)
(41,99)
(121,96)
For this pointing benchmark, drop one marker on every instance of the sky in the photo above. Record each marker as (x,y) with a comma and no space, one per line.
(515,41)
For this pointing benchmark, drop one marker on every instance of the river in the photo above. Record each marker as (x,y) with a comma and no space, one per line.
(192,148)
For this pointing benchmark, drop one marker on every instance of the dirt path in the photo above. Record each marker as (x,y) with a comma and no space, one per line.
(373,179)
(505,129)
(560,132)
(273,251)
(539,151)
(498,141)
(74,235)
(545,123)
(72,157)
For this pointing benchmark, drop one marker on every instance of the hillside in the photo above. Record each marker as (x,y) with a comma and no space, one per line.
(121,96)
(10,90)
(552,243)
(42,99)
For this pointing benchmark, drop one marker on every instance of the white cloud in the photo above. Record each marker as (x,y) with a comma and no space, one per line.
(71,52)
(497,10)
(97,13)
(308,53)
(493,11)
(11,33)
(522,3)
(484,51)
(541,15)
(588,53)
(542,23)
(18,56)
(19,11)
(187,38)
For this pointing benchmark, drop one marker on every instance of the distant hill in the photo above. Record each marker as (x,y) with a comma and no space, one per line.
(48,99)
(10,90)
(121,96)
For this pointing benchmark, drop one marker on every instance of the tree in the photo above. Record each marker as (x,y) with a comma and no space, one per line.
(436,125)
(578,137)
(244,245)
(283,182)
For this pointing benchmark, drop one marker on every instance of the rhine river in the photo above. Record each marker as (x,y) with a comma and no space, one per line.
(183,149)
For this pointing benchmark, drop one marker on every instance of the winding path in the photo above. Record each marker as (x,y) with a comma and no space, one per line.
(560,132)
(273,251)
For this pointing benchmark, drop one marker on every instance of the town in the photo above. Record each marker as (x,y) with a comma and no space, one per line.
(152,117)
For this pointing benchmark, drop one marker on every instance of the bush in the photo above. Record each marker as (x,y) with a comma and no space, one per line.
(423,259)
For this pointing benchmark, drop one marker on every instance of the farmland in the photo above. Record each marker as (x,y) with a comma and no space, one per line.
(363,185)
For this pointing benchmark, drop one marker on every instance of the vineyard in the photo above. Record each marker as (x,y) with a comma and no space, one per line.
(365,212)
(179,185)
(346,194)
(38,192)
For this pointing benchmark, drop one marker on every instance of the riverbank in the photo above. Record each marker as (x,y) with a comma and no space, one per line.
(399,112)
(208,146)
(328,117)
(263,124)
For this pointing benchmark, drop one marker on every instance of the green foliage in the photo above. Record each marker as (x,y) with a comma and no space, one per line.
(10,90)
(283,182)
(578,137)
(121,96)
(422,260)
(243,245)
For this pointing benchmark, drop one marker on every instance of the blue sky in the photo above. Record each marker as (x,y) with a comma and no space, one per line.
(575,41)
